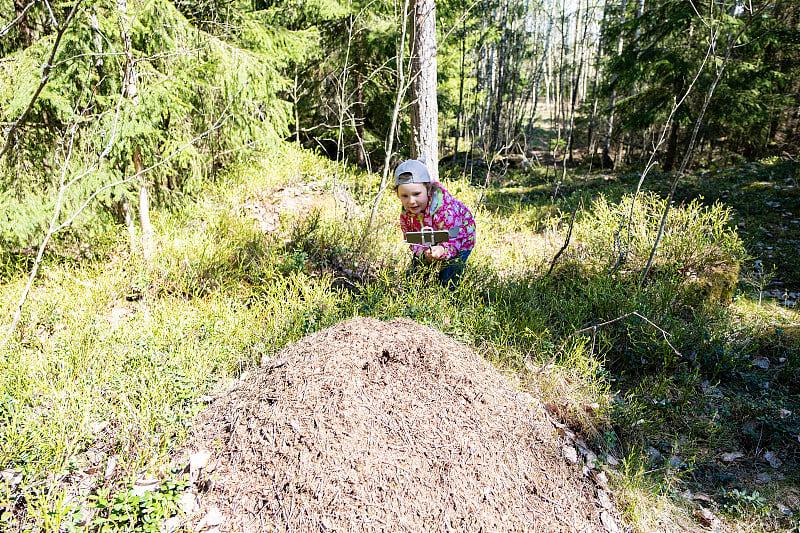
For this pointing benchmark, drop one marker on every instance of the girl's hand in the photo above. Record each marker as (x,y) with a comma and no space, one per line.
(435,253)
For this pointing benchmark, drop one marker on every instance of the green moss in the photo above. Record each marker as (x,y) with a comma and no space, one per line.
(715,285)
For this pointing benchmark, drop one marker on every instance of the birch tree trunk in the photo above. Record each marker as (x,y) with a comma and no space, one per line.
(539,73)
(577,64)
(494,134)
(424,108)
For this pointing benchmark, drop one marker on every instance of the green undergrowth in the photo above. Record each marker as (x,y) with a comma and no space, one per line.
(113,356)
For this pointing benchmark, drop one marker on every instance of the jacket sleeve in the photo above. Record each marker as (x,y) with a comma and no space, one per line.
(406,224)
(456,214)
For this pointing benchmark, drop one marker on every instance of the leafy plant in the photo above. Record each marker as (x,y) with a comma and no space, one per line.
(129,510)
(740,502)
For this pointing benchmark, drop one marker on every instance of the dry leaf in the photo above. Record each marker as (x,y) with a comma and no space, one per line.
(705,517)
(604,500)
(111,464)
(198,460)
(773,459)
(98,427)
(212,519)
(699,496)
(11,477)
(143,486)
(731,456)
(188,502)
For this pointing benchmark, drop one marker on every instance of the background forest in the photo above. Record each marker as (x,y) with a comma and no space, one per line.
(631,164)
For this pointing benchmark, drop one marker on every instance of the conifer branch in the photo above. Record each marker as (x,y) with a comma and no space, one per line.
(55,227)
(46,71)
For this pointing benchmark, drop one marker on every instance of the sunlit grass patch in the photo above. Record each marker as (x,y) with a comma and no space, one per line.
(113,358)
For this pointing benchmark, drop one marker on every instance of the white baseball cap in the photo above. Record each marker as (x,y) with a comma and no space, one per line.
(415,168)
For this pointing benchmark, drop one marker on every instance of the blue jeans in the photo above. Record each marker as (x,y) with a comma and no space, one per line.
(450,270)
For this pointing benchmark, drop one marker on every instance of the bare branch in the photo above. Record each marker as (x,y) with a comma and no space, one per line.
(18,18)
(402,87)
(690,148)
(566,241)
(594,329)
(651,163)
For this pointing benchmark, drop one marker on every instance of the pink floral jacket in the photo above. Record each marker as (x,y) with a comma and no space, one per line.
(443,212)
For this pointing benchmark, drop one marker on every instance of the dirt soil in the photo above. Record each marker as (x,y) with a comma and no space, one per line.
(386,426)
(300,198)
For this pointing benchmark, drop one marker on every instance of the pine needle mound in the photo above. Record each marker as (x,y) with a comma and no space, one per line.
(376,426)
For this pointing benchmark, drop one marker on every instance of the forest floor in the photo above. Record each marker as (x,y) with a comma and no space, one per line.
(748,411)
(690,408)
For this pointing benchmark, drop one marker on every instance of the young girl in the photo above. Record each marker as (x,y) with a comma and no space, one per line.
(427,204)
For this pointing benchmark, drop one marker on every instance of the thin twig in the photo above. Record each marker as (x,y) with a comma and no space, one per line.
(18,18)
(594,329)
(651,163)
(566,241)
(690,149)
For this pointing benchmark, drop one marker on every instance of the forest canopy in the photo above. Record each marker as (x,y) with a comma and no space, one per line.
(90,90)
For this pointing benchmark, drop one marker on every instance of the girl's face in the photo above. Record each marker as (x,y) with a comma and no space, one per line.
(413,196)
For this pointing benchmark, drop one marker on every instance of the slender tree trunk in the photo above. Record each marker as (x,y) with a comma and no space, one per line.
(590,138)
(672,146)
(577,64)
(497,140)
(559,81)
(398,100)
(361,151)
(294,106)
(21,12)
(539,73)
(144,205)
(607,160)
(130,91)
(424,108)
(625,148)
(97,39)
(460,111)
